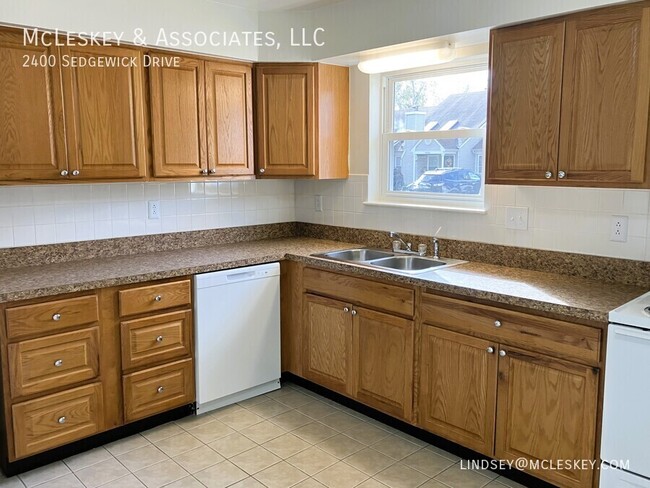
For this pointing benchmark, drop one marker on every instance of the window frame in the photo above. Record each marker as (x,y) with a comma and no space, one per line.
(381,172)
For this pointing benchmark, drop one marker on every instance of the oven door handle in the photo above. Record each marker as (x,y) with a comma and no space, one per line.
(631,332)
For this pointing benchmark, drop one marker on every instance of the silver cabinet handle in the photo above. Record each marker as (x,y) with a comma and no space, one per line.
(502,353)
(354,312)
(61,420)
(158,298)
(497,323)
(58,363)
(346,309)
(75,172)
(490,350)
(561,175)
(213,171)
(548,175)
(204,171)
(56,317)
(159,339)
(160,389)
(64,172)
(262,170)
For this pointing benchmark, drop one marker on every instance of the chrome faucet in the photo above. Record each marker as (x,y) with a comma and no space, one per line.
(436,248)
(395,235)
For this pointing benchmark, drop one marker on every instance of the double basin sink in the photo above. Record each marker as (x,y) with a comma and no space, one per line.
(389,261)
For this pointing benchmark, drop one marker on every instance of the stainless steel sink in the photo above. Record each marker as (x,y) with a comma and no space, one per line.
(356,255)
(408,264)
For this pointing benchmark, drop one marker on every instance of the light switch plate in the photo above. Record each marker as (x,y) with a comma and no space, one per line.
(517,218)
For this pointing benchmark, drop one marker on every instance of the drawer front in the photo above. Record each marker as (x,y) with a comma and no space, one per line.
(153,298)
(49,317)
(158,389)
(361,291)
(57,419)
(54,361)
(554,337)
(154,339)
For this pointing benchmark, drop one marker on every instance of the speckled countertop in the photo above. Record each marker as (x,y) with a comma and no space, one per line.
(554,294)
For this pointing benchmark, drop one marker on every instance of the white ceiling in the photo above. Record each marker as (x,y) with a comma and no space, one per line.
(269,5)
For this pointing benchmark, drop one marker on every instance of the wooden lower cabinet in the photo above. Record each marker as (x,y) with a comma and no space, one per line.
(546,411)
(458,391)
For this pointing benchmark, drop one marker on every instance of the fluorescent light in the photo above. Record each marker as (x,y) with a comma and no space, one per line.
(406,60)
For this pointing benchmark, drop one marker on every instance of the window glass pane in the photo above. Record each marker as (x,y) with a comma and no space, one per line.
(434,166)
(445,102)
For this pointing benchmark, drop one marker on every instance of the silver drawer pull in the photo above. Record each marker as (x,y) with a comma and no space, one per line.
(160,389)
(158,298)
(56,317)
(490,350)
(58,363)
(159,339)
(502,353)
(61,420)
(497,323)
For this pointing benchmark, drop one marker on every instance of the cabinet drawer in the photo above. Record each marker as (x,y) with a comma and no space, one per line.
(153,298)
(155,339)
(48,317)
(57,419)
(158,389)
(360,291)
(555,337)
(54,361)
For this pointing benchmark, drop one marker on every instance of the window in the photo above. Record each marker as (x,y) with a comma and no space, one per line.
(432,138)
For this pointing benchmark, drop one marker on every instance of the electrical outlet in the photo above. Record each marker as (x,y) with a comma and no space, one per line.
(618,229)
(154,209)
(318,203)
(517,218)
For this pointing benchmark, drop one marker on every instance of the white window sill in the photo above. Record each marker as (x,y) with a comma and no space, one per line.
(475,209)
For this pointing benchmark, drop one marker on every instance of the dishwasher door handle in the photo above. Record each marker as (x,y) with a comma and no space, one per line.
(636,333)
(241,276)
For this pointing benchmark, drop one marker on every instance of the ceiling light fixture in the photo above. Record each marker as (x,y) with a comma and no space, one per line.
(406,60)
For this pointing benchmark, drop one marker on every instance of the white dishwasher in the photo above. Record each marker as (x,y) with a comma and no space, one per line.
(237,334)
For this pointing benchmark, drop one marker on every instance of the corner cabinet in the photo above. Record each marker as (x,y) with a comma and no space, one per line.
(569,100)
(302,113)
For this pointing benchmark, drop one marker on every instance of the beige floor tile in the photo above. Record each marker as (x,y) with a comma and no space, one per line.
(509,482)
(192,421)
(162,432)
(178,444)
(127,444)
(427,462)
(285,390)
(286,445)
(495,484)
(198,459)
(366,433)
(433,484)
(221,475)
(141,458)
(230,409)
(268,408)
(255,460)
(161,474)
(291,420)
(101,473)
(401,476)
(13,482)
(341,475)
(232,444)
(395,447)
(442,452)
(187,482)
(247,483)
(341,421)
(317,409)
(462,478)
(309,483)
(414,440)
(340,446)
(371,483)
(43,474)
(315,432)
(281,475)
(369,461)
(67,481)
(211,431)
(87,458)
(312,460)
(294,399)
(263,432)
(240,419)
(253,401)
(128,481)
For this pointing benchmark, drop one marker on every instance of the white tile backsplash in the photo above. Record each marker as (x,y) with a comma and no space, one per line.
(47,214)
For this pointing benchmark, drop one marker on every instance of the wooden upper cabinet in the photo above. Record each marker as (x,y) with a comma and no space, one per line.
(606,91)
(105,113)
(302,120)
(177,116)
(31,113)
(525,91)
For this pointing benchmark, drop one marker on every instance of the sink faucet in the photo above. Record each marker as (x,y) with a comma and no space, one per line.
(395,235)
(436,248)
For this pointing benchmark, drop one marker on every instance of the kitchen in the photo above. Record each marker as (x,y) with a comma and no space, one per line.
(339,243)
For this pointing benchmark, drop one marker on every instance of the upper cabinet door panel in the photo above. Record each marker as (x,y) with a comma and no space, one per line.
(525,91)
(105,107)
(229,114)
(285,117)
(31,111)
(178,117)
(605,96)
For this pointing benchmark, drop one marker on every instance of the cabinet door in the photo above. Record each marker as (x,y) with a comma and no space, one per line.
(605,96)
(105,122)
(457,398)
(285,120)
(327,353)
(525,91)
(31,112)
(383,357)
(178,117)
(546,411)
(229,107)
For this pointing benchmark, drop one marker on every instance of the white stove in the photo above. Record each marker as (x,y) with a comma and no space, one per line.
(635,313)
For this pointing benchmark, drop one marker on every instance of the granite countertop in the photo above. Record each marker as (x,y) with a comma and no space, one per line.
(559,295)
